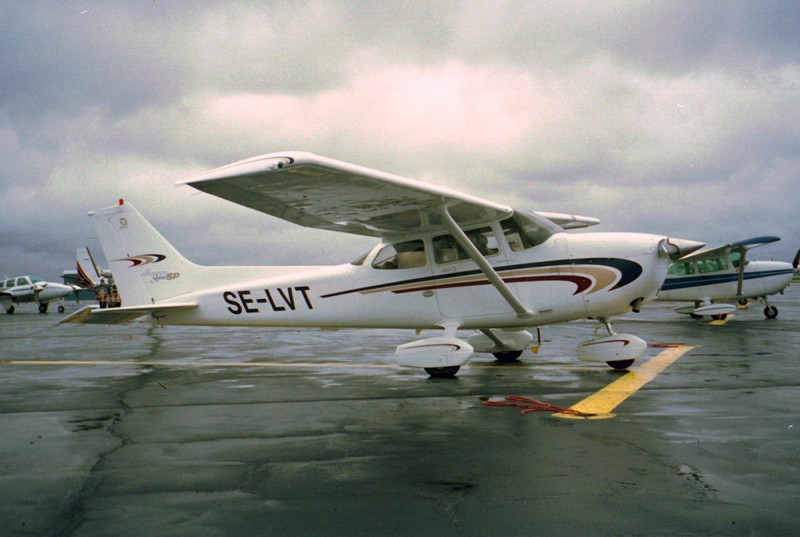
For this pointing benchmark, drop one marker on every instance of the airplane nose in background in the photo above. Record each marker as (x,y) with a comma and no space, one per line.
(677,248)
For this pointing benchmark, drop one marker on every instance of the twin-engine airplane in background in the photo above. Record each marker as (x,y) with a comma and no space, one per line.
(709,278)
(446,261)
(32,289)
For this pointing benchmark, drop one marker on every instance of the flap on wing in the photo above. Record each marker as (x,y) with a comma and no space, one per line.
(570,221)
(95,315)
(319,192)
(738,246)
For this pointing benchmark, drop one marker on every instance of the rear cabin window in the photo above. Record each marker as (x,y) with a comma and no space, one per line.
(401,255)
(447,250)
(712,265)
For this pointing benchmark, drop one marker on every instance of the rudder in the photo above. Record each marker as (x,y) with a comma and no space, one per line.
(145,266)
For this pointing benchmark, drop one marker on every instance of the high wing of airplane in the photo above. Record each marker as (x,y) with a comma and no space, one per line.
(32,289)
(710,278)
(446,261)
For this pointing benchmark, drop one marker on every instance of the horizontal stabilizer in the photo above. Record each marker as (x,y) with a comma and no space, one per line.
(96,315)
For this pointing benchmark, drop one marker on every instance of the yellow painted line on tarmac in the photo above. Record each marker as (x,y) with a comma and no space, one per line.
(602,403)
(194,364)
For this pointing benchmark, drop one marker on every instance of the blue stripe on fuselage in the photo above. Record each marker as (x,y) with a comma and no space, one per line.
(684,282)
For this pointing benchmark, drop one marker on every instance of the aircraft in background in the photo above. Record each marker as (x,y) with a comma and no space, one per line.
(32,289)
(446,261)
(711,278)
(88,271)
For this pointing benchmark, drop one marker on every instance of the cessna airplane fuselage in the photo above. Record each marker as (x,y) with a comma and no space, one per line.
(446,261)
(708,278)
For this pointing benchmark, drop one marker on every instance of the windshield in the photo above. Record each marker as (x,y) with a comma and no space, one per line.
(526,230)
(360,259)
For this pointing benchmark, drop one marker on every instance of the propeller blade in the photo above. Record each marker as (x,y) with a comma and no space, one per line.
(796,261)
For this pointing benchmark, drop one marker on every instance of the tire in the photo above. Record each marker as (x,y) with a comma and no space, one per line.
(442,372)
(770,312)
(507,357)
(620,364)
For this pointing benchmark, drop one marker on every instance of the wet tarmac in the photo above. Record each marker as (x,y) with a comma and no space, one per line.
(142,430)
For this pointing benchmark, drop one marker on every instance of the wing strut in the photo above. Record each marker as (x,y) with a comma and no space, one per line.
(462,239)
(742,263)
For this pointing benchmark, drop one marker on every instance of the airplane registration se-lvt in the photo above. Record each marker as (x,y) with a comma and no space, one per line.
(446,260)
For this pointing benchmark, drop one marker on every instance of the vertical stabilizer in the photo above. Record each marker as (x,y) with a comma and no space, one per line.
(88,272)
(146,268)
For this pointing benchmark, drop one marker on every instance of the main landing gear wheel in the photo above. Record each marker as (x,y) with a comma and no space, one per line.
(442,372)
(770,312)
(61,309)
(10,310)
(620,364)
(43,308)
(507,357)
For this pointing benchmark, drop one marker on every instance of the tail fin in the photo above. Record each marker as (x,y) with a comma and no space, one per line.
(145,267)
(88,272)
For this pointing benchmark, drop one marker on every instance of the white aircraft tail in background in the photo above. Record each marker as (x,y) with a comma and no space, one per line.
(88,271)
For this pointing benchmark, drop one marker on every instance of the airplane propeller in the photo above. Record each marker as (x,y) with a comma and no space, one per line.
(796,261)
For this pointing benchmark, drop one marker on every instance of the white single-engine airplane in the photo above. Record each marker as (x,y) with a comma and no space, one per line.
(446,261)
(709,278)
(32,289)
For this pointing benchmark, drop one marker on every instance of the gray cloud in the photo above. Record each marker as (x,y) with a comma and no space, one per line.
(677,117)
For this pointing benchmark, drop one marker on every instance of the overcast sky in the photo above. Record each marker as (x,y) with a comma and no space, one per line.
(679,118)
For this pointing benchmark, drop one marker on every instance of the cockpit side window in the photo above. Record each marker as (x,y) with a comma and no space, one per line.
(681,269)
(401,255)
(22,281)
